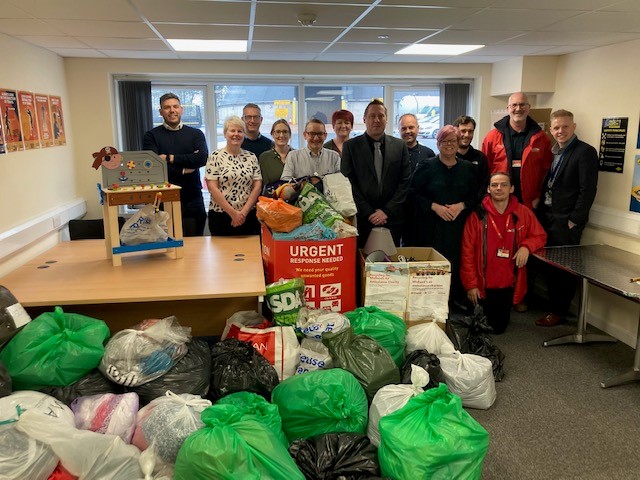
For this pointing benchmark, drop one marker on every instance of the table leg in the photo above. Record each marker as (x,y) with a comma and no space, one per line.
(629,377)
(581,335)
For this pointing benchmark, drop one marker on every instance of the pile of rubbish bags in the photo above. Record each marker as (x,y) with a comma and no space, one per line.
(322,395)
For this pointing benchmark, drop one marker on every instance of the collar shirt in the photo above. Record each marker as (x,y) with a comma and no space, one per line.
(303,163)
(173,129)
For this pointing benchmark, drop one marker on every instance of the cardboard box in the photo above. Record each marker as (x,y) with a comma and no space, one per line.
(328,268)
(417,291)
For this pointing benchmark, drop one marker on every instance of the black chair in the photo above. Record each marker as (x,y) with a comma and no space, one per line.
(89,229)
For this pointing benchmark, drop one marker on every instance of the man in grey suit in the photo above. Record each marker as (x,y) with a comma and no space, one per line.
(568,191)
(380,173)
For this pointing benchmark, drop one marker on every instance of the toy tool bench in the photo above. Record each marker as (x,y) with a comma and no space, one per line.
(135,178)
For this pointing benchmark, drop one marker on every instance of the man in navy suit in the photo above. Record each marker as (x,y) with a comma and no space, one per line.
(379,187)
(568,192)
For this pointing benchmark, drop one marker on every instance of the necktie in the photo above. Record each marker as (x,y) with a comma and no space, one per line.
(377,161)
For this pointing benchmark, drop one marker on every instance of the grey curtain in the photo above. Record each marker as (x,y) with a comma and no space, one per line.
(136,112)
(456,101)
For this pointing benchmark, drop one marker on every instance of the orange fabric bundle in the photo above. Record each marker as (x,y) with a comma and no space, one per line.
(278,215)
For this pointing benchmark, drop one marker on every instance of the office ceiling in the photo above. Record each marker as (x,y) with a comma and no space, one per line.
(344,30)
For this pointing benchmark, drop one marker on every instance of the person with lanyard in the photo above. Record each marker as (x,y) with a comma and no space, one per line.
(496,242)
(272,161)
(254,141)
(517,145)
(568,193)
(314,160)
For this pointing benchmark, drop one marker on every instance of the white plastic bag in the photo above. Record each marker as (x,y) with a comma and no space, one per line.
(430,337)
(85,454)
(314,355)
(470,377)
(109,413)
(20,455)
(166,423)
(337,189)
(393,397)
(246,318)
(145,226)
(312,323)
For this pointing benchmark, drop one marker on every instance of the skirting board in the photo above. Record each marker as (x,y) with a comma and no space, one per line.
(29,232)
(627,223)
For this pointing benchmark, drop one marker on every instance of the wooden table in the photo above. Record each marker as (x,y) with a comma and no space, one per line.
(215,278)
(605,267)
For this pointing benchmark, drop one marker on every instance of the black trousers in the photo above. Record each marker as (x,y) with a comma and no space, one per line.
(497,308)
(220,225)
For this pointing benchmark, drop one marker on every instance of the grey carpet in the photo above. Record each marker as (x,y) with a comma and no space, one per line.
(551,419)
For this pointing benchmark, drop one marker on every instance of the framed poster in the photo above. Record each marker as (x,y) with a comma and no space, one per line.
(613,142)
(10,118)
(55,105)
(29,120)
(634,205)
(2,149)
(44,119)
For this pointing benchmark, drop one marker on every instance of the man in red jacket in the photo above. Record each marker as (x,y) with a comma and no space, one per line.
(496,243)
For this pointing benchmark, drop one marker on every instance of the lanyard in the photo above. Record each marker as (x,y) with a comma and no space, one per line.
(506,229)
(554,170)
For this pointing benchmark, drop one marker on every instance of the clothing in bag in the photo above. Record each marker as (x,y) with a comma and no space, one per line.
(430,337)
(145,226)
(337,190)
(471,377)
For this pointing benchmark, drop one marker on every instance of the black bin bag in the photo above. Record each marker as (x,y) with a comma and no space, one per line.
(93,383)
(346,456)
(472,334)
(5,381)
(426,360)
(238,367)
(191,374)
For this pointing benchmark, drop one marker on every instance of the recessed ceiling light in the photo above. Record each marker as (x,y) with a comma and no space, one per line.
(190,45)
(437,49)
(383,37)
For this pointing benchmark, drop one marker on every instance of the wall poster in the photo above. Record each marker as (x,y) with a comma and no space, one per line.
(27,109)
(2,149)
(634,206)
(10,118)
(613,141)
(44,120)
(59,136)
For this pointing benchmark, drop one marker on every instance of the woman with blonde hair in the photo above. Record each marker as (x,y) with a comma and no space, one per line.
(234,182)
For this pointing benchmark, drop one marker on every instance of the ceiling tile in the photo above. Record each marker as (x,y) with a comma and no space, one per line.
(54,41)
(103,28)
(383,48)
(149,54)
(206,32)
(395,35)
(78,52)
(296,34)
(181,11)
(283,48)
(110,43)
(410,17)
(599,22)
(499,19)
(327,15)
(79,9)
(578,5)
(472,37)
(574,38)
(440,3)
(23,26)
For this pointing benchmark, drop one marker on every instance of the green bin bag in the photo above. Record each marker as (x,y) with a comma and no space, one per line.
(386,328)
(363,356)
(258,407)
(231,446)
(54,349)
(432,437)
(321,401)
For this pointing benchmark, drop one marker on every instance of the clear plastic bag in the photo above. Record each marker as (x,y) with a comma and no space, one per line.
(430,337)
(145,226)
(145,352)
(107,413)
(471,377)
(167,421)
(312,323)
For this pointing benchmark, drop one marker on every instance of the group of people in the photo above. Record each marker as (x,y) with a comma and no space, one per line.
(484,210)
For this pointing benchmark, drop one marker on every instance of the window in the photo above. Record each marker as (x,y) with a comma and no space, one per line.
(424,103)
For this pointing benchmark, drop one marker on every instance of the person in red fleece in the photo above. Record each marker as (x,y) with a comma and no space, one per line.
(496,243)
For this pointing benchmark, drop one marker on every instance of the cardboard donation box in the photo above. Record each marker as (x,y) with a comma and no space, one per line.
(328,268)
(416,290)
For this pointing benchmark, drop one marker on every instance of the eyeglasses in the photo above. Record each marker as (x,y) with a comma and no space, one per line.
(519,105)
(281,132)
(316,134)
(252,117)
(449,142)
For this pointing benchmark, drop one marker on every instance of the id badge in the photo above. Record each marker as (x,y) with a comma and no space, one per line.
(503,253)
(547,198)
(516,163)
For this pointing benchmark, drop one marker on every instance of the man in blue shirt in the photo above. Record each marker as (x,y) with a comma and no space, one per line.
(185,150)
(254,141)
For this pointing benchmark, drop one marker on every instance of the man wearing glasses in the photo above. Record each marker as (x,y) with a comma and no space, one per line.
(379,170)
(254,141)
(314,160)
(521,148)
